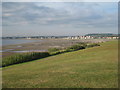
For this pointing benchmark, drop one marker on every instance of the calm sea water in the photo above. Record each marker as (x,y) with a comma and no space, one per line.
(17,41)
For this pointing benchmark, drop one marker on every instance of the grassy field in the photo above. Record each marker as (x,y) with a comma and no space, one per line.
(89,68)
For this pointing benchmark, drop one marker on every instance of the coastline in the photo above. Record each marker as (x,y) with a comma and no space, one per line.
(44,45)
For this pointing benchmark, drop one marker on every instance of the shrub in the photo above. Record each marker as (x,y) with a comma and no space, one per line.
(25,57)
(75,47)
(55,53)
(92,45)
(53,49)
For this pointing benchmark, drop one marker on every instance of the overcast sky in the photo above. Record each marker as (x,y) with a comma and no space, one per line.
(75,18)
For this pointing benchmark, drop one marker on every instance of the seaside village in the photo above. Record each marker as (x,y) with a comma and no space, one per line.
(74,37)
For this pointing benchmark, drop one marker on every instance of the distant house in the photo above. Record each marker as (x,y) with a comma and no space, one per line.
(28,38)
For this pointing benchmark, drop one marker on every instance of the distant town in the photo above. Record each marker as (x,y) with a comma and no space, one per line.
(87,36)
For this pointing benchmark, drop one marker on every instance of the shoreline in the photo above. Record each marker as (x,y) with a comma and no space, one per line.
(45,44)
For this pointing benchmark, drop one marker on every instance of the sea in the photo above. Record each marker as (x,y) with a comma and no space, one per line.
(4,42)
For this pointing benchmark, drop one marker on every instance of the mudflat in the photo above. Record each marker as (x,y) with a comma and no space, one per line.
(44,45)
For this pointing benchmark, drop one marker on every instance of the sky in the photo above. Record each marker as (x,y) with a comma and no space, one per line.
(58,18)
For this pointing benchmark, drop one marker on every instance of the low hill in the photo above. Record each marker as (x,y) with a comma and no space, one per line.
(101,35)
(89,68)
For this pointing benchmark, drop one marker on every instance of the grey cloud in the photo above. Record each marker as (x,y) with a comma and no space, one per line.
(69,14)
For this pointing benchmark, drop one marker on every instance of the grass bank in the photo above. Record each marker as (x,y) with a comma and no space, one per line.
(88,68)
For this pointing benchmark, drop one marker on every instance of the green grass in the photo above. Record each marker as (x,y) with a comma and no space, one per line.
(88,68)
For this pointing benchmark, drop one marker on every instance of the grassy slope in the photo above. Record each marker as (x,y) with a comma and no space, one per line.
(90,68)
